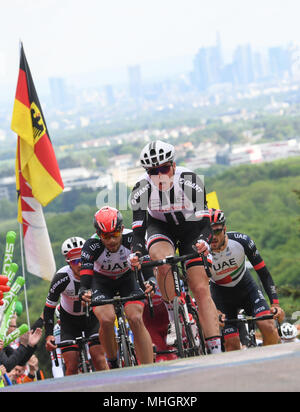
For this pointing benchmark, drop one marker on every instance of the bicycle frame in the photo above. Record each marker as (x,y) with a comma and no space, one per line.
(81,342)
(251,322)
(126,349)
(182,303)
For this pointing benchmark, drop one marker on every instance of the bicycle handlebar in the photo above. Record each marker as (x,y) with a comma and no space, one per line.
(250,319)
(75,341)
(118,299)
(172,260)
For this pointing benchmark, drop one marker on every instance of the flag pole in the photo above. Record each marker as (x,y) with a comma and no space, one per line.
(23,273)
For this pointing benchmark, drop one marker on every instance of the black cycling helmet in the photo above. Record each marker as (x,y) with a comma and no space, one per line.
(217,217)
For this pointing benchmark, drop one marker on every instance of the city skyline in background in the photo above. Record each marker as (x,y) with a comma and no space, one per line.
(72,40)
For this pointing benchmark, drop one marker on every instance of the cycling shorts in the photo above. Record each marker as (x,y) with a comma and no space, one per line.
(182,236)
(72,326)
(106,288)
(245,295)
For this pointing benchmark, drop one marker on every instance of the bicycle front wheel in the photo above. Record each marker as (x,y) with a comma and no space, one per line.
(201,344)
(124,352)
(185,342)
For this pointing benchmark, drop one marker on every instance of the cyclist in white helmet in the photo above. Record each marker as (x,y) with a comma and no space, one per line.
(288,333)
(65,287)
(169,204)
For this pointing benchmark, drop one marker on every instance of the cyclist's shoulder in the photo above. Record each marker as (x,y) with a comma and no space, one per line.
(187,177)
(62,276)
(92,249)
(241,238)
(183,172)
(142,185)
(64,270)
(238,236)
(93,242)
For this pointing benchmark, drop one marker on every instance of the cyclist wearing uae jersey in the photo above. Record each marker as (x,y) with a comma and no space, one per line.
(106,271)
(65,287)
(169,204)
(232,285)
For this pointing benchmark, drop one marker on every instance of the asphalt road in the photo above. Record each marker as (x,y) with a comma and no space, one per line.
(265,369)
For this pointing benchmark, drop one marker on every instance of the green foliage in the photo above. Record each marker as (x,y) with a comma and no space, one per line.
(260,200)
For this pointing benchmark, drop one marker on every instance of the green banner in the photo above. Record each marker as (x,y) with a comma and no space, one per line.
(13,268)
(14,290)
(16,334)
(9,251)
(7,317)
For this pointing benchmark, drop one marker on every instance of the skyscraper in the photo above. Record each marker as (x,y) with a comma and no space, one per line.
(135,82)
(58,92)
(208,66)
(109,93)
(243,64)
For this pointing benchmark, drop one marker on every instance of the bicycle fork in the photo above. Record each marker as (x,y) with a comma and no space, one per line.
(180,293)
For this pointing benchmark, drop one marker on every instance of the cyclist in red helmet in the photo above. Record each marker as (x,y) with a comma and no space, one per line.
(104,272)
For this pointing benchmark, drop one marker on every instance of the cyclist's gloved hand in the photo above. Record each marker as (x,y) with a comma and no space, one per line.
(202,247)
(85,294)
(278,312)
(133,260)
(50,343)
(150,287)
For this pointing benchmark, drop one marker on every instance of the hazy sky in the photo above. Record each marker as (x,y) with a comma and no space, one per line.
(64,37)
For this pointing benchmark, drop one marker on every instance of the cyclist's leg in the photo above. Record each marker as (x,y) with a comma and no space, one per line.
(95,348)
(208,316)
(160,250)
(106,316)
(160,244)
(199,285)
(98,357)
(70,329)
(269,332)
(134,313)
(260,307)
(104,288)
(225,302)
(71,359)
(142,340)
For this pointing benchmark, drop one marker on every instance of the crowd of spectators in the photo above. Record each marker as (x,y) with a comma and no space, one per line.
(18,363)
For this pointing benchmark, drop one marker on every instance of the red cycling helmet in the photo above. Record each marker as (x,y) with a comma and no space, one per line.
(107,220)
(217,217)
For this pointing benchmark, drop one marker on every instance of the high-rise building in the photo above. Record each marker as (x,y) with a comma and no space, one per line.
(109,93)
(58,92)
(280,61)
(243,64)
(135,81)
(208,66)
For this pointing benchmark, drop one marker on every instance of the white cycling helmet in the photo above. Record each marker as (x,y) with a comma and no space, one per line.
(156,153)
(71,248)
(288,331)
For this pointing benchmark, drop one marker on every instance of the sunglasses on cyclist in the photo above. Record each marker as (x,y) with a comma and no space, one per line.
(217,232)
(75,261)
(116,233)
(161,169)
